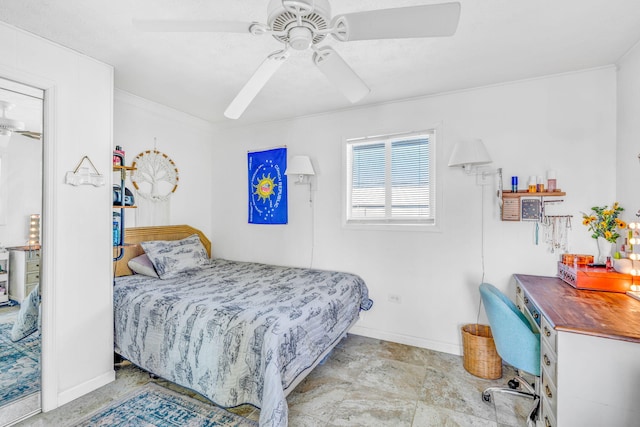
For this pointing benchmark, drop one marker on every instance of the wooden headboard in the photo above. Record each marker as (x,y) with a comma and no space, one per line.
(133,236)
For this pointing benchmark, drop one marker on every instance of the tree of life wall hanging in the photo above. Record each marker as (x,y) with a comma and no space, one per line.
(267,186)
(155,179)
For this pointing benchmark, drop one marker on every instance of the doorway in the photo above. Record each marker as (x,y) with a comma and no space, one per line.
(21,200)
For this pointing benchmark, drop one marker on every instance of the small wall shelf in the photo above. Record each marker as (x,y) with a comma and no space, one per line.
(513,209)
(525,193)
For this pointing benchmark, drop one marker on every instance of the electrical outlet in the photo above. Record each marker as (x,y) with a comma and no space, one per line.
(394,298)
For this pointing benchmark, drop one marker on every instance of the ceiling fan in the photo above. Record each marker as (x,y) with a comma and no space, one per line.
(9,126)
(303,24)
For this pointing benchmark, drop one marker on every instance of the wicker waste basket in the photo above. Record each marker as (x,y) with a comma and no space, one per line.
(479,352)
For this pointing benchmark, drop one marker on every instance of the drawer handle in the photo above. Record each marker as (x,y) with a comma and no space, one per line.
(547,391)
(526,300)
(535,315)
(547,423)
(518,290)
(546,360)
(547,332)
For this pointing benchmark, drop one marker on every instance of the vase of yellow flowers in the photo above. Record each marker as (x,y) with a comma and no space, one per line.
(603,223)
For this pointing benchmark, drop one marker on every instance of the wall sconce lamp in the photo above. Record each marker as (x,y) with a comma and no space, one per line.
(468,154)
(7,125)
(302,167)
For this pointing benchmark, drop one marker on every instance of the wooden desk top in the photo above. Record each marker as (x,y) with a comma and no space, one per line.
(603,314)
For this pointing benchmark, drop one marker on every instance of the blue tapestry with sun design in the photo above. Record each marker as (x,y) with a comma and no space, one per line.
(267,186)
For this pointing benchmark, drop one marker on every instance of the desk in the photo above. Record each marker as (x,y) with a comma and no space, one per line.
(590,352)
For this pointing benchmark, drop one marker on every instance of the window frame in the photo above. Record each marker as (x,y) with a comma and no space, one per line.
(431,224)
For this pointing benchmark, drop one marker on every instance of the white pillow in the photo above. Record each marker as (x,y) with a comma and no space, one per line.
(172,257)
(142,265)
(27,321)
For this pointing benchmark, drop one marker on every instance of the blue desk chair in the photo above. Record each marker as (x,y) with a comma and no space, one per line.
(517,343)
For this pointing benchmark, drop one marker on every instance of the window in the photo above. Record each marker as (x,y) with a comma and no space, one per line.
(390,180)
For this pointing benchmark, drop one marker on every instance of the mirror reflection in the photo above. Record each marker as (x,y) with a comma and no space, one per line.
(21,118)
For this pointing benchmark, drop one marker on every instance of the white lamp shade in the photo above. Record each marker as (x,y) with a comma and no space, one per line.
(469,153)
(299,165)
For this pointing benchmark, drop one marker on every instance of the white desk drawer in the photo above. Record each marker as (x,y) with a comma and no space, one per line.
(549,335)
(33,265)
(549,393)
(549,362)
(33,277)
(547,417)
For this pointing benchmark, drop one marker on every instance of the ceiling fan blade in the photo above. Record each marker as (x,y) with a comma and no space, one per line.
(340,74)
(191,26)
(431,20)
(30,134)
(257,81)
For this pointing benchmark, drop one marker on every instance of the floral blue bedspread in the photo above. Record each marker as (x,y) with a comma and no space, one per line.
(236,332)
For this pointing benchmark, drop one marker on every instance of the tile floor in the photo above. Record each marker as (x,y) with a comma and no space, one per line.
(364,382)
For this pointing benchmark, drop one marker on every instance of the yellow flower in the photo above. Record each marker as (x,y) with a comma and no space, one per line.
(603,221)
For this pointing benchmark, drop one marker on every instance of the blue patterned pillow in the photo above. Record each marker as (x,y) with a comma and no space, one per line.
(27,320)
(172,257)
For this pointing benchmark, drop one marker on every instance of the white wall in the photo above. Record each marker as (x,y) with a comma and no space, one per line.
(187,140)
(76,277)
(628,163)
(565,122)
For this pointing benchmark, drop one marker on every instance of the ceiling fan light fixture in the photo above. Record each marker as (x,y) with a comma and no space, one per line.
(8,125)
(282,20)
(300,38)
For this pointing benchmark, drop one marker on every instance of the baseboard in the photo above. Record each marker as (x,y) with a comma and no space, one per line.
(86,387)
(19,410)
(407,339)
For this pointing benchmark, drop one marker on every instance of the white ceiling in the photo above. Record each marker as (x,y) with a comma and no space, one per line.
(199,73)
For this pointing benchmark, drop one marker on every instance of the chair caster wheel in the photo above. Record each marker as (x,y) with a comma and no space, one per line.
(514,384)
(486,397)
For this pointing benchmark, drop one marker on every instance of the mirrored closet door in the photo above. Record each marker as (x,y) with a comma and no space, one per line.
(21,159)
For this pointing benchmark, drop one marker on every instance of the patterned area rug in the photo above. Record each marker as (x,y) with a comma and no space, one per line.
(154,405)
(19,365)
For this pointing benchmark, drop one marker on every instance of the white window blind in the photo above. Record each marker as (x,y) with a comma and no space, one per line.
(390,179)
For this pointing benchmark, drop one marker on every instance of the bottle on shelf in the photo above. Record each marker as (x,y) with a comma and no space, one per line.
(118,156)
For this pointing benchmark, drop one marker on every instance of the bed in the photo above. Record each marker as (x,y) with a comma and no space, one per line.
(235,332)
